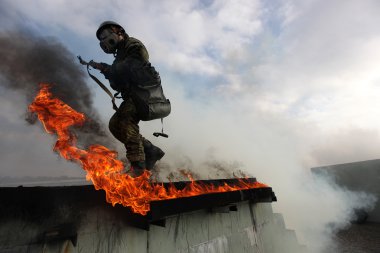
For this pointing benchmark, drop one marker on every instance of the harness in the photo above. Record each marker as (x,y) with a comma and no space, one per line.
(114,106)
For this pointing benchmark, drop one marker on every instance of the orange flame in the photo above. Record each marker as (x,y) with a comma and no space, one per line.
(104,169)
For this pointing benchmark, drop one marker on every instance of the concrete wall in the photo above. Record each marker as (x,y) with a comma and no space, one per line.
(253,228)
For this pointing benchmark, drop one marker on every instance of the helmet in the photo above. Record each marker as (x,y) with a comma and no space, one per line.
(106,24)
(109,39)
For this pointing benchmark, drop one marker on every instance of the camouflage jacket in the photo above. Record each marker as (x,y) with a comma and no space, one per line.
(132,48)
(129,66)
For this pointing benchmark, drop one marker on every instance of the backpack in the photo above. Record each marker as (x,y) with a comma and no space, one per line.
(147,93)
(144,86)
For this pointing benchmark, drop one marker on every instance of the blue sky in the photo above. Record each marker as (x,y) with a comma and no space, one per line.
(275,86)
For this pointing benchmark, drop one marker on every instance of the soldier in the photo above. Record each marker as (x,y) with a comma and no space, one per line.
(130,67)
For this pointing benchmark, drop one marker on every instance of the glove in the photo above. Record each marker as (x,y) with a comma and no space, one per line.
(103,67)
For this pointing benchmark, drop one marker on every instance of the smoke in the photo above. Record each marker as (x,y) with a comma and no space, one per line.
(28,60)
(317,208)
(320,66)
(359,145)
(218,139)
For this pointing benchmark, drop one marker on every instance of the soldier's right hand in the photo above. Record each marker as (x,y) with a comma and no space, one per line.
(103,67)
(93,64)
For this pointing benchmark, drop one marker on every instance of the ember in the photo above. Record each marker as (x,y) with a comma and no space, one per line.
(105,170)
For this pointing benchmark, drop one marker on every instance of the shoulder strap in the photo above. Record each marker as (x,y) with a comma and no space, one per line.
(114,106)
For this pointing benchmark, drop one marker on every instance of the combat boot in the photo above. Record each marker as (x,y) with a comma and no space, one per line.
(152,154)
(137,168)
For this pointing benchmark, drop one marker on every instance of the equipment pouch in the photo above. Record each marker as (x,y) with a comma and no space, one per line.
(150,101)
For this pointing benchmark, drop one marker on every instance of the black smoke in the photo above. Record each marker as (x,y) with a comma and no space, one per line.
(26,60)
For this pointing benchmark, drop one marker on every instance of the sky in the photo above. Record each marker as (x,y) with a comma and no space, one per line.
(271,88)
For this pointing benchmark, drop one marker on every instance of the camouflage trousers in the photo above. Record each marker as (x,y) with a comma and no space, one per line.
(124,126)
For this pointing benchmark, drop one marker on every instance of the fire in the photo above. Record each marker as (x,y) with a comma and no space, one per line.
(102,166)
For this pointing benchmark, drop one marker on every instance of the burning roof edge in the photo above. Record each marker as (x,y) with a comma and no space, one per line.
(35,203)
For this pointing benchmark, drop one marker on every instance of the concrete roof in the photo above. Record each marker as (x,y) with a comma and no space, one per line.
(361,238)
(48,200)
(42,181)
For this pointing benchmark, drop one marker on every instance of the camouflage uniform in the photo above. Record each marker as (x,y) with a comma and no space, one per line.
(124,126)
(127,70)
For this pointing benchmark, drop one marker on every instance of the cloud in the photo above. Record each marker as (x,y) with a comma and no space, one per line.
(322,66)
(347,145)
(182,35)
(276,87)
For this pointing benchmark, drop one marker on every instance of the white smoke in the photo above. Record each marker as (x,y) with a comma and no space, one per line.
(269,88)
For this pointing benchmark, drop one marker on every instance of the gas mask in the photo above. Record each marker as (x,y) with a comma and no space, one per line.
(109,40)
